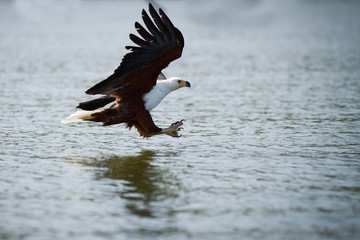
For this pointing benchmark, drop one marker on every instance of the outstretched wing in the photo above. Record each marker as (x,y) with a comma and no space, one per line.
(161,43)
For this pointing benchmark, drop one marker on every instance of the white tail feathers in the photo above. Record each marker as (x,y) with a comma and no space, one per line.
(79,116)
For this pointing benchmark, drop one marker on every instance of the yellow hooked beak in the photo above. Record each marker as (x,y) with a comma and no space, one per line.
(183,83)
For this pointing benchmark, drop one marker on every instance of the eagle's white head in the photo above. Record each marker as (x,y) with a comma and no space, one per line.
(176,83)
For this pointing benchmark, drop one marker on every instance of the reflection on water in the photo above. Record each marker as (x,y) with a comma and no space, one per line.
(144,183)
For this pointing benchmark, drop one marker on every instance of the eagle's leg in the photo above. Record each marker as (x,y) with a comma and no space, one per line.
(147,128)
(173,129)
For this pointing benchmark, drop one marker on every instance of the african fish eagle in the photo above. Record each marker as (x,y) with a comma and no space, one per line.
(137,86)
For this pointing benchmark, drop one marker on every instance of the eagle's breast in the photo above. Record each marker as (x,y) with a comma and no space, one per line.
(156,95)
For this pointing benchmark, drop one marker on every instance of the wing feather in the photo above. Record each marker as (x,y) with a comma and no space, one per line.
(169,25)
(159,22)
(142,31)
(161,76)
(142,43)
(151,26)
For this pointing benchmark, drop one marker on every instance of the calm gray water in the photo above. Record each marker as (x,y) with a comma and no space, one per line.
(271,145)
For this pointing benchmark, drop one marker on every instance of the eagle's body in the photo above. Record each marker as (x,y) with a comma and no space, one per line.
(137,86)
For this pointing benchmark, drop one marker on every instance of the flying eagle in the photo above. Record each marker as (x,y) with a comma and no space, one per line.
(137,86)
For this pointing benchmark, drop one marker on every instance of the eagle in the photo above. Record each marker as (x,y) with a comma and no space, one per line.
(138,85)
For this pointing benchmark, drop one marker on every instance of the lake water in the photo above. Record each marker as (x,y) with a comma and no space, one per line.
(270,148)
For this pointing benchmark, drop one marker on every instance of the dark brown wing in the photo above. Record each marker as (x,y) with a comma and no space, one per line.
(96,103)
(160,44)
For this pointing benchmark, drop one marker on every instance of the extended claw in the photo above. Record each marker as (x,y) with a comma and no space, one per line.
(178,122)
(174,129)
